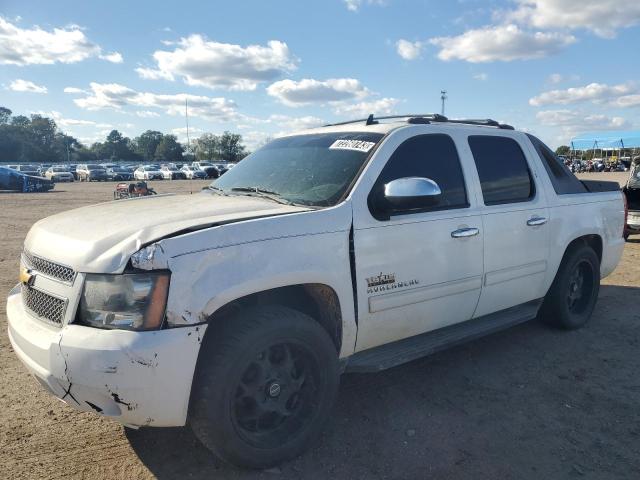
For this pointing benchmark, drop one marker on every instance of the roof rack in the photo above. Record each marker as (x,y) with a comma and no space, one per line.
(422,118)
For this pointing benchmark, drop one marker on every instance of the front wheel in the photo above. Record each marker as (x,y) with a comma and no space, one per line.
(574,292)
(266,381)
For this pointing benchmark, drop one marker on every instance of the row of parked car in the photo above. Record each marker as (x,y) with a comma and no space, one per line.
(89,172)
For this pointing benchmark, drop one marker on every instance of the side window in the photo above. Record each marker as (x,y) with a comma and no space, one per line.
(431,156)
(562,179)
(502,168)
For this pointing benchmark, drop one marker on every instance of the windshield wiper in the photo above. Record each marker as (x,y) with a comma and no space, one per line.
(217,190)
(263,193)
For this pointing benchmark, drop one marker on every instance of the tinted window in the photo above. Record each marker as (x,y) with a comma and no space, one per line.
(429,156)
(502,168)
(562,179)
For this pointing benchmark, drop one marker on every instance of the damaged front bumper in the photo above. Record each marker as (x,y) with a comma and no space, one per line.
(136,378)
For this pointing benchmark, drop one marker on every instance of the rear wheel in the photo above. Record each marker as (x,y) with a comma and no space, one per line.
(574,292)
(265,385)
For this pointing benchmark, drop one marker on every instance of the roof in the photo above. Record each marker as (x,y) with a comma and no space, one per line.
(606,139)
(386,124)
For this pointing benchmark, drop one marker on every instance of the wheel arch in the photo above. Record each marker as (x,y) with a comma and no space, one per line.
(318,300)
(594,241)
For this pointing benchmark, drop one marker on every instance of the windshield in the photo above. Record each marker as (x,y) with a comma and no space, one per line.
(28,167)
(94,167)
(59,169)
(314,170)
(206,164)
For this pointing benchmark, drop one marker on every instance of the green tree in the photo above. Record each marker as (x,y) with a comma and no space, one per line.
(5,115)
(147,143)
(169,150)
(207,147)
(563,150)
(231,148)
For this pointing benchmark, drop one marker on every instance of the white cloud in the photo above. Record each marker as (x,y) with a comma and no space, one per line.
(555,78)
(483,77)
(20,85)
(114,57)
(623,95)
(116,96)
(572,118)
(409,50)
(295,123)
(354,5)
(500,43)
(603,17)
(147,114)
(382,106)
(200,62)
(309,91)
(65,122)
(35,46)
(74,90)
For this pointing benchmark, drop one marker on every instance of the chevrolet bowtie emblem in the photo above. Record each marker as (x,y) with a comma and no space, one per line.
(26,277)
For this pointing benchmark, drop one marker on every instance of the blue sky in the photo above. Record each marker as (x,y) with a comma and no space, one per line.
(552,67)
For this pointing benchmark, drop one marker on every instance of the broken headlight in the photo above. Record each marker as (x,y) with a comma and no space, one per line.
(131,301)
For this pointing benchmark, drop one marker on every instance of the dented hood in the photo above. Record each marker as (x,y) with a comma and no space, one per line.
(102,237)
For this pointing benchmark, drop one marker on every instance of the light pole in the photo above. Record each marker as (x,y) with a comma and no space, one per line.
(443,97)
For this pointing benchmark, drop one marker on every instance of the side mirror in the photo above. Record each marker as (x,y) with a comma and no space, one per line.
(411,193)
(403,195)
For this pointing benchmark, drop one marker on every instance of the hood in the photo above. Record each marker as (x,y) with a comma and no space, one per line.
(101,238)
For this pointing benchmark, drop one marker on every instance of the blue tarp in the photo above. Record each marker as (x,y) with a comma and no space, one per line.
(606,140)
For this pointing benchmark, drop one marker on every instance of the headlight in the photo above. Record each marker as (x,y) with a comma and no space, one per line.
(131,301)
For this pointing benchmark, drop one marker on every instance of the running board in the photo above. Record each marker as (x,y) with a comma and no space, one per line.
(412,348)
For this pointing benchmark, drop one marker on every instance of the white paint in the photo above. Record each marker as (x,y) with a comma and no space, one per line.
(221,248)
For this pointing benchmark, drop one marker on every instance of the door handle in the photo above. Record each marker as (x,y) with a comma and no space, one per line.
(535,221)
(465,232)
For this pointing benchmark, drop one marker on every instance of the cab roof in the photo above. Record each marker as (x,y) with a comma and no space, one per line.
(386,124)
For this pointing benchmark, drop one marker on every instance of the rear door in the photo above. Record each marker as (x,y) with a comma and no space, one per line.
(515,222)
(414,273)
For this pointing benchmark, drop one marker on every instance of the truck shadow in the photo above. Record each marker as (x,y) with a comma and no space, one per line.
(513,404)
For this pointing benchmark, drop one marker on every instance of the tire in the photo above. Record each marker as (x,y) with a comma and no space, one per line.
(572,297)
(265,384)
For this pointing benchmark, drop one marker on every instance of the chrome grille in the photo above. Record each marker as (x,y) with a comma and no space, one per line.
(43,305)
(50,269)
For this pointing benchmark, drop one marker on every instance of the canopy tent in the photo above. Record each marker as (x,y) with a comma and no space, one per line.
(607,140)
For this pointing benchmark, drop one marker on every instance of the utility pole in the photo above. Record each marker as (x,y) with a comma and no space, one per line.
(186,115)
(443,97)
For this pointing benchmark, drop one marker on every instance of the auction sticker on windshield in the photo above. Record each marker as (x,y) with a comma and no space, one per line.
(358,145)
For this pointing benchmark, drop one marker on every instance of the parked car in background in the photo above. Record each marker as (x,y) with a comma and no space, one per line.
(90,172)
(59,173)
(347,248)
(32,170)
(119,173)
(222,167)
(191,173)
(172,173)
(632,194)
(148,172)
(206,167)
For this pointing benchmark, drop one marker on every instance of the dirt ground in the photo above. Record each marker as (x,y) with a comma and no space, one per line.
(527,403)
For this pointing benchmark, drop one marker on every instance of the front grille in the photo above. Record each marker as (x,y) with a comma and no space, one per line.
(43,305)
(50,269)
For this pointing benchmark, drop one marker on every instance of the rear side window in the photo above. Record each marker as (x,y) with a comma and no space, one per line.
(431,156)
(502,168)
(562,179)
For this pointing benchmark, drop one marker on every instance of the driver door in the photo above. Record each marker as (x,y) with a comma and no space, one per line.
(420,269)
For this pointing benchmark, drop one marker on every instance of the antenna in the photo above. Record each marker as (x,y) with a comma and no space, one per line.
(443,97)
(186,116)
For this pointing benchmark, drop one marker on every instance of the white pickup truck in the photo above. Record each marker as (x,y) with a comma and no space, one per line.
(352,247)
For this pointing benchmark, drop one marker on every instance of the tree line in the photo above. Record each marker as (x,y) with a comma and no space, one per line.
(37,139)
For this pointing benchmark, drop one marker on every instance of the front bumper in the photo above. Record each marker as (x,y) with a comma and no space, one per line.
(633,222)
(136,378)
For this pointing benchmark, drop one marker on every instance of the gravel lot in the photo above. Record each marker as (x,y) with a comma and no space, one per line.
(529,402)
